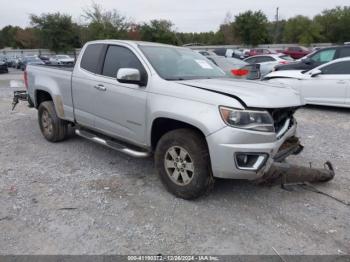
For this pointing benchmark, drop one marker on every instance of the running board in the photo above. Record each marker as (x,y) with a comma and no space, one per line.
(112,144)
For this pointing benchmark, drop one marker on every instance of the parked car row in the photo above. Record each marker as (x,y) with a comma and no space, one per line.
(317,58)
(270,60)
(295,52)
(20,62)
(322,77)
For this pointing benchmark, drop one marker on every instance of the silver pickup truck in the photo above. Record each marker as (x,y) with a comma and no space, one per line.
(146,99)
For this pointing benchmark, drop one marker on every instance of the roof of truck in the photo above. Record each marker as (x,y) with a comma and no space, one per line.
(129,42)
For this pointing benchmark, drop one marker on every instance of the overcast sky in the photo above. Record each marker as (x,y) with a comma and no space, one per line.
(187,15)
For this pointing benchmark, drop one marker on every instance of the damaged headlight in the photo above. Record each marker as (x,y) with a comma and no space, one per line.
(246,119)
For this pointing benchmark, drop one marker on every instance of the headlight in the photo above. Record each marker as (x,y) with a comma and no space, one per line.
(245,119)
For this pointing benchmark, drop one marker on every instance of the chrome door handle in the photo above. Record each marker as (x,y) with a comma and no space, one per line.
(100,87)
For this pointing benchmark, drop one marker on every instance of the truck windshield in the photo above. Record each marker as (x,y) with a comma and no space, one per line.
(175,63)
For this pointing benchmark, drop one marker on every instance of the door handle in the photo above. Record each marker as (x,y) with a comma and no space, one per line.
(341,82)
(100,87)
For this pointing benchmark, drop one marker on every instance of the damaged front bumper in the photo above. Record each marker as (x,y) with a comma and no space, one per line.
(264,157)
(248,155)
(291,146)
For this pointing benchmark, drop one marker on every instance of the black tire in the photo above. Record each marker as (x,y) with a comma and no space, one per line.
(59,127)
(193,143)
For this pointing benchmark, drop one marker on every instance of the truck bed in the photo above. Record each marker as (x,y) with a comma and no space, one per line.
(55,80)
(58,67)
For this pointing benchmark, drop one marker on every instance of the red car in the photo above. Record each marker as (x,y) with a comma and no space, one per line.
(296,52)
(260,51)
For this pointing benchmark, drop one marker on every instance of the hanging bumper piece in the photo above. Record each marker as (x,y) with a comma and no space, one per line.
(285,173)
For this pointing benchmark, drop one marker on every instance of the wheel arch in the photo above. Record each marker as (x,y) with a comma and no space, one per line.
(42,95)
(163,125)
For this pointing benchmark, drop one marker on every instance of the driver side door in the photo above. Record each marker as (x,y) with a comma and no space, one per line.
(330,87)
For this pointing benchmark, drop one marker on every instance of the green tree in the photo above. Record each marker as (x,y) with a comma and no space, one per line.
(276,30)
(57,31)
(158,31)
(335,24)
(104,24)
(226,33)
(251,28)
(302,30)
(27,38)
(8,34)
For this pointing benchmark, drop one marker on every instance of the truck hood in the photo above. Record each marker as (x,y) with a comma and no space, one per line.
(257,94)
(296,74)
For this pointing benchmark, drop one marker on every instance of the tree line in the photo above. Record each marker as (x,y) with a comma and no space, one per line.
(58,32)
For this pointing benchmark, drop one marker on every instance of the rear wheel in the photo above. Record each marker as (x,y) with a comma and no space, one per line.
(183,163)
(53,128)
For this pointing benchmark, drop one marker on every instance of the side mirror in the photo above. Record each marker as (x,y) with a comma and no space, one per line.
(129,76)
(315,73)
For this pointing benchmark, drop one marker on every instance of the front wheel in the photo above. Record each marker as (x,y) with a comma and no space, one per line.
(183,163)
(53,128)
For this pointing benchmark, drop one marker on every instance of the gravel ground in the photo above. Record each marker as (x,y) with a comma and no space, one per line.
(78,197)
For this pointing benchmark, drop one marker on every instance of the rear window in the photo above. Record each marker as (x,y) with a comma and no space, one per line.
(91,58)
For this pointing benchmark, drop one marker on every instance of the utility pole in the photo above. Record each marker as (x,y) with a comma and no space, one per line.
(276,25)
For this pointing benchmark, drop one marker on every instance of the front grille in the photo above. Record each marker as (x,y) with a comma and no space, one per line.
(281,115)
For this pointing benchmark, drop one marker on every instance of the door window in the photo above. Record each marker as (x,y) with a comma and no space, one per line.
(121,57)
(341,68)
(324,56)
(91,58)
(344,52)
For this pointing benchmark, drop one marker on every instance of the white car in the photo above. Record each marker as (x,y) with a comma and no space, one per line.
(328,84)
(268,62)
(62,60)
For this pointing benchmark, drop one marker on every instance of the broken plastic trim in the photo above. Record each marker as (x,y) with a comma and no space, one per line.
(284,173)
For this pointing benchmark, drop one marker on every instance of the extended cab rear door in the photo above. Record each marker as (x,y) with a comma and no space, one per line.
(120,109)
(84,82)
